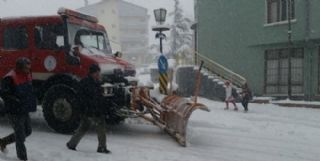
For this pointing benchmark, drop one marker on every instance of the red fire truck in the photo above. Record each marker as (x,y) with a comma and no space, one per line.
(61,48)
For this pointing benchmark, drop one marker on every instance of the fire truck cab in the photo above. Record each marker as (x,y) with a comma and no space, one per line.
(61,48)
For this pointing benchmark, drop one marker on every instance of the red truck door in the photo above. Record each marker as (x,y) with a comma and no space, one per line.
(48,54)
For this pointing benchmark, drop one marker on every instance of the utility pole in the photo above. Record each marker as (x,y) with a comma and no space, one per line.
(290,46)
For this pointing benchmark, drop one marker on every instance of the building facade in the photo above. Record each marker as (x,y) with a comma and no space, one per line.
(108,15)
(127,26)
(251,38)
(134,27)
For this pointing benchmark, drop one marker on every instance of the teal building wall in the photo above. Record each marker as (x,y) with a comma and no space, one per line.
(235,33)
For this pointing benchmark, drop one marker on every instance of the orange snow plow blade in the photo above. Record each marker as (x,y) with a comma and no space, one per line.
(176,116)
(171,115)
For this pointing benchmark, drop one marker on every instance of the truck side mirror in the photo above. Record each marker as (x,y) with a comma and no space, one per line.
(73,56)
(118,54)
(76,51)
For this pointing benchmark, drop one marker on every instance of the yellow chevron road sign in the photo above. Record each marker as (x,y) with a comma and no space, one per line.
(163,80)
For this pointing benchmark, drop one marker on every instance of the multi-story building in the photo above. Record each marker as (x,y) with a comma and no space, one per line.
(108,14)
(127,26)
(252,39)
(134,27)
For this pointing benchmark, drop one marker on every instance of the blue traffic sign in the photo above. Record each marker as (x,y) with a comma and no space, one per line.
(162,64)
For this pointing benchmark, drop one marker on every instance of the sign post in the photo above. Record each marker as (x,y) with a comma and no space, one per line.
(163,75)
(160,16)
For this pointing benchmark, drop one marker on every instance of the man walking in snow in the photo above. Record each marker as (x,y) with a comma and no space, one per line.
(246,96)
(229,97)
(17,93)
(93,113)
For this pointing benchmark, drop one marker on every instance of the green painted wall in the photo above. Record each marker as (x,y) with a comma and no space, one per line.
(314,19)
(235,34)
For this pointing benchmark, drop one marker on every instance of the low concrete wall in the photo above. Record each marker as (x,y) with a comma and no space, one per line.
(185,78)
(211,87)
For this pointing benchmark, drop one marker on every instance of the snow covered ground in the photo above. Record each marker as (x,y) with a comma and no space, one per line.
(266,133)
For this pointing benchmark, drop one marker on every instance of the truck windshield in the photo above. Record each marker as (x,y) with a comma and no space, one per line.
(92,42)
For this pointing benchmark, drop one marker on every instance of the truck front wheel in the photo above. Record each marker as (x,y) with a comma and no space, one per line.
(60,109)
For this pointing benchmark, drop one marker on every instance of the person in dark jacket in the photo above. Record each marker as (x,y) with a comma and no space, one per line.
(246,96)
(2,107)
(92,95)
(17,93)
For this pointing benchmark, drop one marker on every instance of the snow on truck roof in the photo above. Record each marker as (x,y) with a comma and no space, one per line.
(67,12)
(57,18)
(30,19)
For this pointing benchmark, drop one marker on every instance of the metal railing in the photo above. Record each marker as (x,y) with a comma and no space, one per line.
(220,70)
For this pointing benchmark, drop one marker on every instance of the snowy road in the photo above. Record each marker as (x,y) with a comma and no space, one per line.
(266,133)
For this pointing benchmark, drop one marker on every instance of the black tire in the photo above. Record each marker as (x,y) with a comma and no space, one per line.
(61,109)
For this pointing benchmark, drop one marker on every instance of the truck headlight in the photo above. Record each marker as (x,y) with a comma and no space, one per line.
(107,89)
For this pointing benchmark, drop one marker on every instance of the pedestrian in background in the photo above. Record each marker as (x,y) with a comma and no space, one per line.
(229,97)
(246,96)
(94,111)
(17,93)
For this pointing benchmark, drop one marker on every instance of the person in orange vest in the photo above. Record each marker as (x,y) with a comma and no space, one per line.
(17,93)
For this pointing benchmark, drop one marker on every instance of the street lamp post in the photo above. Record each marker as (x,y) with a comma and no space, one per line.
(160,16)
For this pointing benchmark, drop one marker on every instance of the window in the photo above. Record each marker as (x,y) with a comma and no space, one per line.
(15,38)
(276,71)
(95,41)
(277,10)
(142,19)
(49,36)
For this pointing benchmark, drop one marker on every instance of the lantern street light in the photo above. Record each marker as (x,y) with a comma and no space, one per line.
(160,17)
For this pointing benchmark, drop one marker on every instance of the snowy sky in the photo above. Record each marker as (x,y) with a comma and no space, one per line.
(9,8)
(45,7)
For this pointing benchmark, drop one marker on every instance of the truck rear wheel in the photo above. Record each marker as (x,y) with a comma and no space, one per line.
(60,109)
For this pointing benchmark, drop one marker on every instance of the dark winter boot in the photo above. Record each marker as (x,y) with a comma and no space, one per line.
(3,146)
(103,150)
(70,147)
